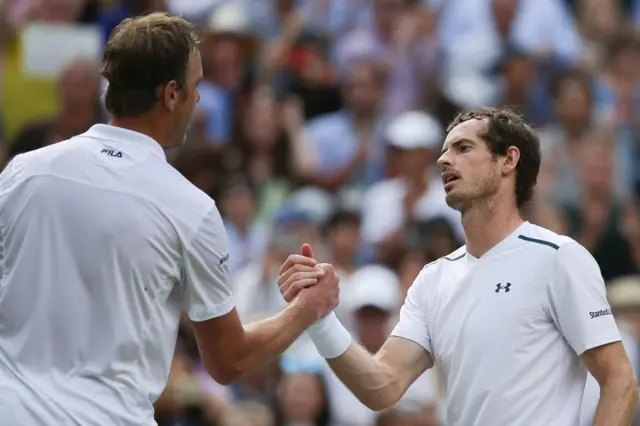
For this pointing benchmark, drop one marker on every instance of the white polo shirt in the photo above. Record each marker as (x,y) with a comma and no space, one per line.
(102,245)
(506,330)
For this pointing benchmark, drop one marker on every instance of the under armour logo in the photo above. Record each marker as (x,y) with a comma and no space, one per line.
(506,288)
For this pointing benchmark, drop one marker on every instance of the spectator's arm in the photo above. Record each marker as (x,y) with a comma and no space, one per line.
(303,159)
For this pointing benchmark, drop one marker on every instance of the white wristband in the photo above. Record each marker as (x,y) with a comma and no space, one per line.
(330,336)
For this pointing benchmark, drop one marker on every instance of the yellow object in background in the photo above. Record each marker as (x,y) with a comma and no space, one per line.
(24,98)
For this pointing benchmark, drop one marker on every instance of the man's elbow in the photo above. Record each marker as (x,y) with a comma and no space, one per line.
(381,400)
(622,383)
(378,405)
(225,374)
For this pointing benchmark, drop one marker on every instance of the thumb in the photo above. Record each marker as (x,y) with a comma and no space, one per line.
(307,251)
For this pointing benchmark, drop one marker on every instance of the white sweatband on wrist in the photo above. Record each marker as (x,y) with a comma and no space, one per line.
(330,336)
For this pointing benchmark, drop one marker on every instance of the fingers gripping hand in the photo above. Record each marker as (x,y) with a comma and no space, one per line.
(298,272)
(297,278)
(325,296)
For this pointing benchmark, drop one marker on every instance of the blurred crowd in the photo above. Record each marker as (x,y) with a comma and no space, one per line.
(320,121)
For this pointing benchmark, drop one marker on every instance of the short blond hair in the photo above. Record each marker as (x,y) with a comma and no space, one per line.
(143,54)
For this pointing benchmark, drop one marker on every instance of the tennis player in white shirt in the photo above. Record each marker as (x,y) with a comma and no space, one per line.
(103,245)
(513,320)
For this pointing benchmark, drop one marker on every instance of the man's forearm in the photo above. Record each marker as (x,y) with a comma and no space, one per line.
(369,379)
(267,339)
(618,404)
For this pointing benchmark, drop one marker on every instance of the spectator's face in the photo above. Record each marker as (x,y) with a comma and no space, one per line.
(301,397)
(238,205)
(371,323)
(519,74)
(387,14)
(316,68)
(79,89)
(289,238)
(440,244)
(146,6)
(573,104)
(344,239)
(601,18)
(596,168)
(363,90)
(503,14)
(225,59)
(262,124)
(56,10)
(79,84)
(414,162)
(410,266)
(476,171)
(626,62)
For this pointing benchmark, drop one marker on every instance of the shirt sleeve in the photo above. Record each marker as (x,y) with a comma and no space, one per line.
(413,315)
(578,300)
(206,271)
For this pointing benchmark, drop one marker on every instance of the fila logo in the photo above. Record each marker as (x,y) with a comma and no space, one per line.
(224,259)
(111,153)
(506,288)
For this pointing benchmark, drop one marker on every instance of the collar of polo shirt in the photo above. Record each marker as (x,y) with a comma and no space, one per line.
(132,139)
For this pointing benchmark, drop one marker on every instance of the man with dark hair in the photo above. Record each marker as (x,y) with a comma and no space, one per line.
(103,245)
(511,319)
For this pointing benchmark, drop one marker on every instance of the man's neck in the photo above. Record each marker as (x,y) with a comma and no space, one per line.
(140,125)
(488,223)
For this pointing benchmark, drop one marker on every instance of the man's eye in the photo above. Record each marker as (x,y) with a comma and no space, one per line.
(465,148)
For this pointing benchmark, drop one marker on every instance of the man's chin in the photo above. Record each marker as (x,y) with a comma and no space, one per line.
(455,201)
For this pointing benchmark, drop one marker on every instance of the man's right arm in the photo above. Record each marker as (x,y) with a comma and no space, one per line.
(228,348)
(379,380)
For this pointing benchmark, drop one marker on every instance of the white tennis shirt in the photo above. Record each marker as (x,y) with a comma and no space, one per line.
(103,245)
(506,330)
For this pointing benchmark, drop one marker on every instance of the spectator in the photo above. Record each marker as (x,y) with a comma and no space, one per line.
(227,51)
(247,238)
(262,152)
(402,37)
(347,145)
(596,221)
(302,398)
(341,234)
(417,194)
(78,90)
(600,21)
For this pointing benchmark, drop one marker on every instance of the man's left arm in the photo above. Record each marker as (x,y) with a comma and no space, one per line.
(580,309)
(609,365)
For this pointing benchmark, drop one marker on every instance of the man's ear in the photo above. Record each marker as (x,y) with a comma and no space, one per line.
(171,95)
(511,159)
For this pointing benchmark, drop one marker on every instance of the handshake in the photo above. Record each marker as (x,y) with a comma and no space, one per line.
(310,285)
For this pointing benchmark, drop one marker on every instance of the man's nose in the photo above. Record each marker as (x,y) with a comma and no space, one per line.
(444,161)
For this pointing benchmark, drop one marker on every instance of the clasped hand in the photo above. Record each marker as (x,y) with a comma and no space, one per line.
(313,284)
